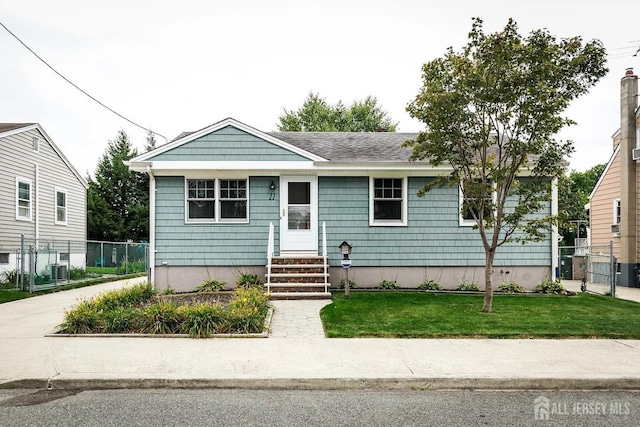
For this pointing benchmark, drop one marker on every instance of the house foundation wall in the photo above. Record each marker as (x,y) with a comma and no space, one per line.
(448,277)
(186,278)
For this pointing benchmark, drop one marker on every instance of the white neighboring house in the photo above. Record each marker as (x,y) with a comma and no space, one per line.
(42,196)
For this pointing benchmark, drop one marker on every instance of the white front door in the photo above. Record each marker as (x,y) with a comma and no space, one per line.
(299,214)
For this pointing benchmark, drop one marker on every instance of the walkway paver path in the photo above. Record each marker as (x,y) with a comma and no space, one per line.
(297,319)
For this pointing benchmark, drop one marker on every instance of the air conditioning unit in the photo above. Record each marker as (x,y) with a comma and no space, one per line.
(635,154)
(615,228)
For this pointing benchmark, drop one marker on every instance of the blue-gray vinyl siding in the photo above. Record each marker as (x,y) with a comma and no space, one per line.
(228,144)
(179,243)
(432,237)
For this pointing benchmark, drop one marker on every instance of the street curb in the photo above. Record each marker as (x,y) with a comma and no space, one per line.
(509,384)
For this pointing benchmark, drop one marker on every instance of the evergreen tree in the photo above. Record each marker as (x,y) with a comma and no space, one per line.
(118,199)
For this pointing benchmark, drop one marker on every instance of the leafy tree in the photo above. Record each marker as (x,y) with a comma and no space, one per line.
(573,194)
(491,112)
(316,115)
(118,199)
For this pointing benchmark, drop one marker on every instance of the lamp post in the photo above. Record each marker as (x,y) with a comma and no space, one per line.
(345,249)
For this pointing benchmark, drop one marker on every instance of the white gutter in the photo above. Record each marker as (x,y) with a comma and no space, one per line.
(37,203)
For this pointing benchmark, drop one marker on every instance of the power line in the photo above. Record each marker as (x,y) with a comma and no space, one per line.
(77,87)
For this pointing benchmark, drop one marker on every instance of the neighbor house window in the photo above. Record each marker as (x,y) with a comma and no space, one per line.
(471,204)
(217,200)
(388,204)
(4,258)
(61,207)
(616,211)
(23,199)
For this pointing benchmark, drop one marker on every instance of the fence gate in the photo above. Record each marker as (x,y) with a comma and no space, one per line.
(594,266)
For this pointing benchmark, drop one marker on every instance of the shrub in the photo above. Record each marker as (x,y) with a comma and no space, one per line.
(77,273)
(352,284)
(247,280)
(430,285)
(160,318)
(468,287)
(9,279)
(211,286)
(388,284)
(202,320)
(549,286)
(129,267)
(247,311)
(169,291)
(125,297)
(512,288)
(83,319)
(120,320)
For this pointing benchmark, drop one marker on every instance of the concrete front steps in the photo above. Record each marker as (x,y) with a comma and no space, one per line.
(297,277)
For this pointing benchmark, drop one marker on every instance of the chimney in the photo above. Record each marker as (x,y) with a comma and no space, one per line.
(628,185)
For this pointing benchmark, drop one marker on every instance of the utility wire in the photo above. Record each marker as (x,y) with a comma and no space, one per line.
(77,87)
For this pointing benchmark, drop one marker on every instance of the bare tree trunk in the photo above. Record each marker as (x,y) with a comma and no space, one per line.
(488,282)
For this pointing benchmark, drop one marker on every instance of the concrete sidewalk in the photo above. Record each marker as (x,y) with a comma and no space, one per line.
(295,356)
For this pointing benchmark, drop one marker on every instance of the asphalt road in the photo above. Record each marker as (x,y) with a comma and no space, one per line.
(177,407)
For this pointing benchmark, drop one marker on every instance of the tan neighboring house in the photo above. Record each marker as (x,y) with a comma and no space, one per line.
(43,197)
(613,204)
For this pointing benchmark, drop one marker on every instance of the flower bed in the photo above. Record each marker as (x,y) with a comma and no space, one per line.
(138,310)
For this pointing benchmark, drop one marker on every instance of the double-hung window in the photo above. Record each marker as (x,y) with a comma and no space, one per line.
(201,199)
(23,199)
(233,199)
(388,201)
(216,200)
(61,207)
(616,211)
(472,203)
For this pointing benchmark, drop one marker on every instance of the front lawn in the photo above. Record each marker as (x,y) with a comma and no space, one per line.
(442,315)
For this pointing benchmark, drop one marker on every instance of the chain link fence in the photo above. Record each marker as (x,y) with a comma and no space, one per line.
(594,266)
(40,264)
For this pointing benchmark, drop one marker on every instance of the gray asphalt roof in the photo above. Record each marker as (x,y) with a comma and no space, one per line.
(351,146)
(4,127)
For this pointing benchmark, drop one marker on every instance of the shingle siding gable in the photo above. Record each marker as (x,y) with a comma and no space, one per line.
(228,144)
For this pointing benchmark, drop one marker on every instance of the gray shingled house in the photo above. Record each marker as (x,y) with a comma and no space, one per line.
(229,199)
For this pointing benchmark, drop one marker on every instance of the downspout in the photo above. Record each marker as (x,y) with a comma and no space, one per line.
(37,202)
(554,229)
(152,224)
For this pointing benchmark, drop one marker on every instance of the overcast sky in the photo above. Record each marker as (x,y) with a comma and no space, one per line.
(176,66)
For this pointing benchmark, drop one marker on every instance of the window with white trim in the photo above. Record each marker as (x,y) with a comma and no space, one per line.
(470,206)
(23,199)
(388,201)
(201,199)
(216,200)
(61,207)
(616,211)
(233,199)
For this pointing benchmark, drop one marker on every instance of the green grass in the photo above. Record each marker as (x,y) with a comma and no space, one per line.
(102,270)
(6,296)
(435,315)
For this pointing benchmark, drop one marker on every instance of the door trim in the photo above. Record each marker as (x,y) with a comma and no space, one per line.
(310,247)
